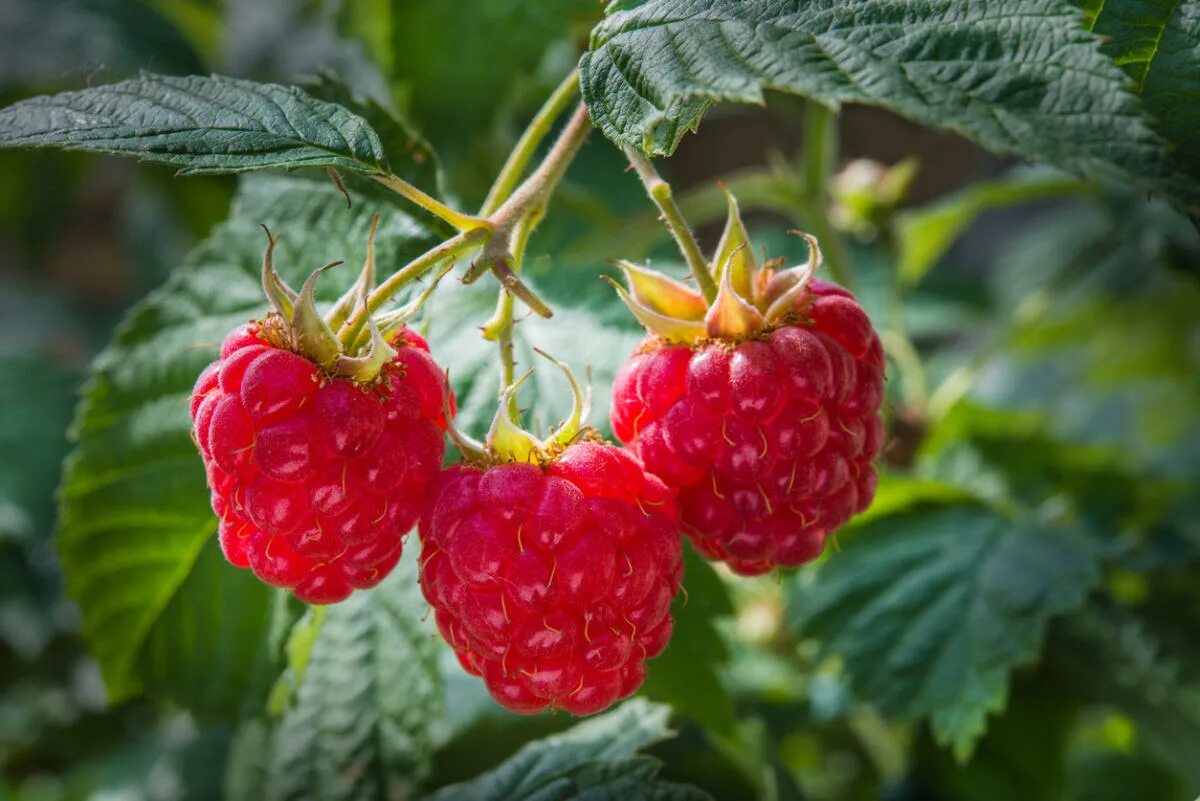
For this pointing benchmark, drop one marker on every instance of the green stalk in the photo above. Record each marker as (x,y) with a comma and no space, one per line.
(660,192)
(452,248)
(537,130)
(463,222)
(820,162)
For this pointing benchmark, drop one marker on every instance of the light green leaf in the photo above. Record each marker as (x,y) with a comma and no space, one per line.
(1019,77)
(550,769)
(199,124)
(135,513)
(924,235)
(931,611)
(361,724)
(1157,42)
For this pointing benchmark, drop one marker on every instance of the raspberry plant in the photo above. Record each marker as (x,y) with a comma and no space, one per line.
(979,554)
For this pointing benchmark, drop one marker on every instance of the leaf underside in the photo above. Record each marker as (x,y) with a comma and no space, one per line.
(1021,77)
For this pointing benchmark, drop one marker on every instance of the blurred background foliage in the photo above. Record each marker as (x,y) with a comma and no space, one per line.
(1017,617)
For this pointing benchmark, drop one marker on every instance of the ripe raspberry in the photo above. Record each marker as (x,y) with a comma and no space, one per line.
(553,583)
(769,441)
(760,408)
(316,479)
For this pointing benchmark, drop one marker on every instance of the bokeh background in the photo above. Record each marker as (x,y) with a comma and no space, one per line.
(1044,335)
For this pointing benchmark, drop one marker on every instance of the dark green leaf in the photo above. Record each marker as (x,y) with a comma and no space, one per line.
(135,509)
(1115,656)
(1157,42)
(545,769)
(199,124)
(931,611)
(1019,77)
(413,158)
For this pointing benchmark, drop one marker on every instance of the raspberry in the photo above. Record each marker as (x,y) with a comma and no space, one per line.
(769,441)
(315,479)
(554,583)
(551,563)
(759,406)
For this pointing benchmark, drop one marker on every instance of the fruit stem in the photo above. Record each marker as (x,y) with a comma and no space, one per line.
(528,144)
(500,326)
(820,162)
(525,207)
(461,221)
(450,249)
(660,192)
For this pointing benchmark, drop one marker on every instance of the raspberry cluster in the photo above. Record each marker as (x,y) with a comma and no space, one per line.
(553,583)
(769,441)
(317,479)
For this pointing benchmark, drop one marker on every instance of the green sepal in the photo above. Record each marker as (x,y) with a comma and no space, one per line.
(357,294)
(668,328)
(506,441)
(730,316)
(734,253)
(661,294)
(281,296)
(366,368)
(580,409)
(390,322)
(311,335)
(786,287)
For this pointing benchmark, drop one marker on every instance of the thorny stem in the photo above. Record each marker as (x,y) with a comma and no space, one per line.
(660,192)
(820,162)
(463,222)
(450,249)
(528,144)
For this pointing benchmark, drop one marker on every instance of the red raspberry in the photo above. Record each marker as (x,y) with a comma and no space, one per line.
(554,583)
(317,479)
(769,440)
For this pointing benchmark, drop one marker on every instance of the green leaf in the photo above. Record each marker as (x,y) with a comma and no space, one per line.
(1127,659)
(686,674)
(397,136)
(135,512)
(1019,77)
(206,652)
(1155,42)
(549,769)
(199,124)
(931,611)
(925,234)
(361,724)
